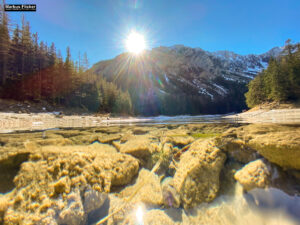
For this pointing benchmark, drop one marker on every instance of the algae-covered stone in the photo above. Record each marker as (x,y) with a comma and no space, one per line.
(179,137)
(120,210)
(103,148)
(279,144)
(235,147)
(93,199)
(4,202)
(150,193)
(73,213)
(84,139)
(281,148)
(55,172)
(182,141)
(109,138)
(171,197)
(256,174)
(197,175)
(138,147)
(141,130)
(158,217)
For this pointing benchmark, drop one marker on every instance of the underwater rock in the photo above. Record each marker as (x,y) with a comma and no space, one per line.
(55,172)
(157,217)
(93,199)
(179,137)
(10,161)
(119,217)
(279,144)
(117,145)
(84,139)
(228,185)
(137,147)
(171,197)
(197,176)
(103,148)
(236,148)
(281,148)
(161,152)
(141,130)
(256,174)
(182,141)
(150,194)
(127,136)
(4,202)
(73,213)
(109,138)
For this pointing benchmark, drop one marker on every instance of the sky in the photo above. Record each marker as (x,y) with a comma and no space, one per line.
(100,27)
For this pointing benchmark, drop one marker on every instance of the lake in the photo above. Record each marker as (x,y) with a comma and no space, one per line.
(159,170)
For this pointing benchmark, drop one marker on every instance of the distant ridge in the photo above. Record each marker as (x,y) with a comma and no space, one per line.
(211,82)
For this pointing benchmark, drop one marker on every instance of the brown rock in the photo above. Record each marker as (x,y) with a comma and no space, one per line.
(256,174)
(109,138)
(73,213)
(197,175)
(171,197)
(102,148)
(4,202)
(235,147)
(150,193)
(158,217)
(182,141)
(279,144)
(138,147)
(119,217)
(56,173)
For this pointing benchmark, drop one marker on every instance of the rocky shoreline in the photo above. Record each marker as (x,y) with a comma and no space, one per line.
(79,176)
(282,116)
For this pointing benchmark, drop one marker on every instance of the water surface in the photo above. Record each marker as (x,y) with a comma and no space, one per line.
(64,176)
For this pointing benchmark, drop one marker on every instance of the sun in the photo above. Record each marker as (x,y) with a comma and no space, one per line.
(135,43)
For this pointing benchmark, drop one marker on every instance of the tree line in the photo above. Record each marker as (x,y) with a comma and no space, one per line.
(32,70)
(280,82)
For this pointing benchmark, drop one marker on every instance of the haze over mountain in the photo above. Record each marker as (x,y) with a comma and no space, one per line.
(179,79)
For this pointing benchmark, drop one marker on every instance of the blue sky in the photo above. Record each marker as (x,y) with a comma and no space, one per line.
(99,27)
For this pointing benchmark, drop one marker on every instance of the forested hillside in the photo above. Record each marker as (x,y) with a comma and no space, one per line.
(32,70)
(166,80)
(182,80)
(280,81)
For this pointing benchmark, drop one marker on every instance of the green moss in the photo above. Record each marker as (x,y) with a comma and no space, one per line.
(205,135)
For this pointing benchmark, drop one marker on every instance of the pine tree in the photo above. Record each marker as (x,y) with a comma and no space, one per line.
(4,45)
(256,94)
(280,81)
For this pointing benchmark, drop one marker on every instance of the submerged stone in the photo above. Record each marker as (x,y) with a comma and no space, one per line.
(58,172)
(122,211)
(109,138)
(235,147)
(137,147)
(171,197)
(157,217)
(256,174)
(150,194)
(279,144)
(197,176)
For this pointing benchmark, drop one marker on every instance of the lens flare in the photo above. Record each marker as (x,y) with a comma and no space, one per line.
(139,215)
(135,43)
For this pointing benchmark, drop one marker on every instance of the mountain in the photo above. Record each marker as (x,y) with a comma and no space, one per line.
(183,80)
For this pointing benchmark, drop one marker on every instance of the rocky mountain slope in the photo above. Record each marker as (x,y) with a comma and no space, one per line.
(213,82)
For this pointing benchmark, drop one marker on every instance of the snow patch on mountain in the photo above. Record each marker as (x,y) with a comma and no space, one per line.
(205,92)
(166,78)
(220,90)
